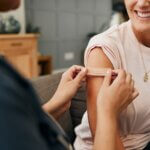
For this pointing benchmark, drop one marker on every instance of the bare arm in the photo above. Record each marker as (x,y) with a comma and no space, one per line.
(55,107)
(97,59)
(106,132)
(112,99)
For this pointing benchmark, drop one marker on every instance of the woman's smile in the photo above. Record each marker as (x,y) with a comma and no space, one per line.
(142,15)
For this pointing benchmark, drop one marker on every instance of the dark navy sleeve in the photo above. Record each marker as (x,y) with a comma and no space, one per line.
(23,124)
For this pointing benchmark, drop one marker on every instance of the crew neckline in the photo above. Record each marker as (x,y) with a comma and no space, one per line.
(135,38)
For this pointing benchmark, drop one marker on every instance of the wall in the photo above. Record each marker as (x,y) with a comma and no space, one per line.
(65,25)
(19,14)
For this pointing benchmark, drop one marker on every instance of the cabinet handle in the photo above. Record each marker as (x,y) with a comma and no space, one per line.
(16,44)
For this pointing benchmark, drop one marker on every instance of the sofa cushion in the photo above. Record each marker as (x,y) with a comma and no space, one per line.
(46,86)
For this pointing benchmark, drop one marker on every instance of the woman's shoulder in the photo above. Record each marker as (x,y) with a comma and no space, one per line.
(113,34)
(111,42)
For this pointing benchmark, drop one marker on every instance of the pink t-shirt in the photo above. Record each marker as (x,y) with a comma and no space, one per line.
(123,49)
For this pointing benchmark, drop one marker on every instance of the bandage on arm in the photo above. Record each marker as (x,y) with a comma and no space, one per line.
(99,72)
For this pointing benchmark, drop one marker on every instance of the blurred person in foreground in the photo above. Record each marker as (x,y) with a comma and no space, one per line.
(23,123)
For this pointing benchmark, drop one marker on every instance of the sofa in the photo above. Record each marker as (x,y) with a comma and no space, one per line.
(45,86)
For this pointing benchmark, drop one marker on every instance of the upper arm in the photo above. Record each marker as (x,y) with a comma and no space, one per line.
(96,59)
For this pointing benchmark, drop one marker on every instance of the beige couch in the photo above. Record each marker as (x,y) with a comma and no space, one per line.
(46,86)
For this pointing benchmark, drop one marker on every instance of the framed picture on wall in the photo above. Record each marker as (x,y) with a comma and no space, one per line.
(13,21)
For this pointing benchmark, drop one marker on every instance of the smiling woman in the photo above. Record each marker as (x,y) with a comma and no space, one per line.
(126,46)
(21,115)
(6,5)
(139,13)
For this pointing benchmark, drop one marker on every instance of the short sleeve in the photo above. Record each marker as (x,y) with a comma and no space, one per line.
(109,46)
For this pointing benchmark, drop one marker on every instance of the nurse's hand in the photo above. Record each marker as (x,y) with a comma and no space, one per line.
(116,96)
(70,82)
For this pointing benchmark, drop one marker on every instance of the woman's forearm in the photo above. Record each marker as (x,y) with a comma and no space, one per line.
(54,108)
(106,132)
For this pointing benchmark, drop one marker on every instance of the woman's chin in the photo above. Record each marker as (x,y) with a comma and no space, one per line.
(140,23)
(142,27)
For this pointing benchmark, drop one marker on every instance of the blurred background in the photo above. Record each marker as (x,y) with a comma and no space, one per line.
(59,31)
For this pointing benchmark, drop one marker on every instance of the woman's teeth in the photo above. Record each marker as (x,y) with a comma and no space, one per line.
(143,14)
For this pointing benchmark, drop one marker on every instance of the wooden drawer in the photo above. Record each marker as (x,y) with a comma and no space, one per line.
(21,52)
(16,44)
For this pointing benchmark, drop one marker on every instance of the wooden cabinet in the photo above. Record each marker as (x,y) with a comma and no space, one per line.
(21,52)
(44,65)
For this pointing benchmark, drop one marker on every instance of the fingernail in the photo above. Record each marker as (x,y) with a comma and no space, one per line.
(108,71)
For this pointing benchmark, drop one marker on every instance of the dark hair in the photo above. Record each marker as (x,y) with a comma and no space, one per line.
(119,7)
